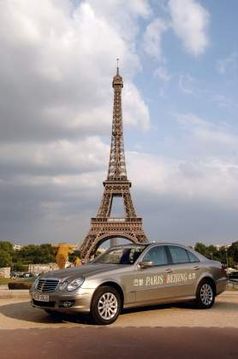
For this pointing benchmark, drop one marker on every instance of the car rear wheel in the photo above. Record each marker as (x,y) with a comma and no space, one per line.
(205,295)
(106,305)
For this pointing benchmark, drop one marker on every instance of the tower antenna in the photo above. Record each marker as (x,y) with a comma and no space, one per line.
(117,65)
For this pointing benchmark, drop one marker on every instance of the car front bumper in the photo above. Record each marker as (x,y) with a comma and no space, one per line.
(77,301)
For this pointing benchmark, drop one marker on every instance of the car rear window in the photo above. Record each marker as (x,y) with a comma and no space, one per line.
(157,255)
(178,254)
(192,257)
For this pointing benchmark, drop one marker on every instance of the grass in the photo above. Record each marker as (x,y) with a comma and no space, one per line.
(5,281)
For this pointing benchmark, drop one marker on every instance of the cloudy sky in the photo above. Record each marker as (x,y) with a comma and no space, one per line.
(179,61)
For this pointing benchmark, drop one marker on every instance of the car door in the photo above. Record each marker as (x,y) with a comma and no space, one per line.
(185,269)
(150,282)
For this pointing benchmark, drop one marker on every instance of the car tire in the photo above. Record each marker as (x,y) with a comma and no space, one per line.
(205,296)
(106,305)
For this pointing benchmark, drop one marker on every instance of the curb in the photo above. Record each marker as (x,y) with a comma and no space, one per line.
(18,294)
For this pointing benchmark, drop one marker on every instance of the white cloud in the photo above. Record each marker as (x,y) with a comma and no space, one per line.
(55,158)
(190,21)
(224,101)
(228,64)
(210,179)
(187,84)
(162,73)
(209,133)
(121,14)
(57,63)
(153,37)
(135,112)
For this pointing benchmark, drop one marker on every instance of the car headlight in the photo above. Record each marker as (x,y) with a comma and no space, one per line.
(74,284)
(63,285)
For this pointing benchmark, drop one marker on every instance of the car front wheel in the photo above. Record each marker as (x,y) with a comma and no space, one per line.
(205,295)
(106,305)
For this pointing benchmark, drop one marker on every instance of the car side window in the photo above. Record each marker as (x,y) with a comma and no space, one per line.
(157,255)
(178,254)
(192,257)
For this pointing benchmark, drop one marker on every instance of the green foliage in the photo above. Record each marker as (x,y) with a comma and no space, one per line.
(30,254)
(201,248)
(6,246)
(36,254)
(5,259)
(233,251)
(19,267)
(73,255)
(228,256)
(6,251)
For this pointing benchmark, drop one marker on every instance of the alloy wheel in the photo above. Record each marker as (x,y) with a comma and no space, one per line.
(107,306)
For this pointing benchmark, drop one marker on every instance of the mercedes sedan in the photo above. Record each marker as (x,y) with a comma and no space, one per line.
(131,276)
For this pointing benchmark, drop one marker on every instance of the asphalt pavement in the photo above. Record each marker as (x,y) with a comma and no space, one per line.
(163,332)
(121,343)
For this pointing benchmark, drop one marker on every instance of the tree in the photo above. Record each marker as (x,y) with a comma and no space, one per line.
(5,259)
(213,252)
(36,254)
(201,248)
(6,251)
(6,246)
(233,251)
(19,267)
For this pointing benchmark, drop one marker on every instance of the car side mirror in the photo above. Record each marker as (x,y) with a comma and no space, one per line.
(146,264)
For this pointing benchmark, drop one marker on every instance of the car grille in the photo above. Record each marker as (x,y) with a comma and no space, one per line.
(47,285)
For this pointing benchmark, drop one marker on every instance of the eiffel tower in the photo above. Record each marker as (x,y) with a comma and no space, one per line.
(103,226)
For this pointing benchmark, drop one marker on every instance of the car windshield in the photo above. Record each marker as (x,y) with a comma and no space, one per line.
(120,255)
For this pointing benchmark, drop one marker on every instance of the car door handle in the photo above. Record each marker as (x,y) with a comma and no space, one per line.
(169,270)
(196,267)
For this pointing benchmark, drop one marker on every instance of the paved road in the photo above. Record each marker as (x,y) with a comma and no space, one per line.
(166,332)
(18,313)
(123,343)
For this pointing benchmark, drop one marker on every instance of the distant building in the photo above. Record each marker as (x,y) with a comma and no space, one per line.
(5,272)
(219,246)
(17,247)
(41,268)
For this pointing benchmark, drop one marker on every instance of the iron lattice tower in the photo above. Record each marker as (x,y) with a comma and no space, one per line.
(103,226)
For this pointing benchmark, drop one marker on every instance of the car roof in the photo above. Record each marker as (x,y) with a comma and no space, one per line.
(151,244)
(147,244)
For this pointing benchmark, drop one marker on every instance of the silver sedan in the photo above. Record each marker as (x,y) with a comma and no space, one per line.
(131,276)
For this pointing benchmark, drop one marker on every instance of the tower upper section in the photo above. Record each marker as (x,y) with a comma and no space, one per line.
(117,79)
(117,164)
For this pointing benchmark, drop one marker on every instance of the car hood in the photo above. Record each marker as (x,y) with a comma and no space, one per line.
(83,271)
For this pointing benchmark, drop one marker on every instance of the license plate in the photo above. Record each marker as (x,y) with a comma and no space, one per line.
(41,297)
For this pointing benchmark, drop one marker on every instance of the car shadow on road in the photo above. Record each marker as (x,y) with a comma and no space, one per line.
(221,305)
(23,311)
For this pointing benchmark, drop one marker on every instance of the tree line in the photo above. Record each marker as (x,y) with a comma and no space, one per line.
(18,260)
(225,254)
